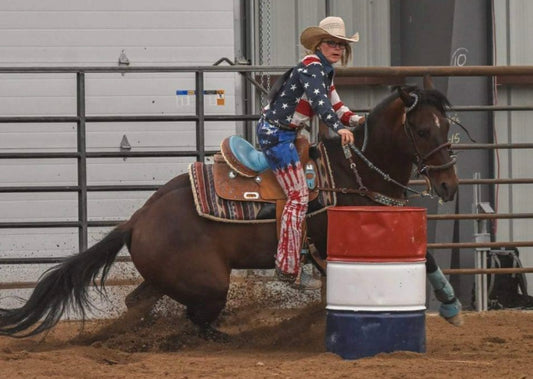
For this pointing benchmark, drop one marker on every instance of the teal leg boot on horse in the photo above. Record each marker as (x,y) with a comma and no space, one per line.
(450,308)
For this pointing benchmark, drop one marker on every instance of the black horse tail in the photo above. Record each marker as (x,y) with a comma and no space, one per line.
(64,287)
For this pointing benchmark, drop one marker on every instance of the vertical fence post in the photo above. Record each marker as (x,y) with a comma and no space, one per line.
(82,161)
(200,113)
(481,235)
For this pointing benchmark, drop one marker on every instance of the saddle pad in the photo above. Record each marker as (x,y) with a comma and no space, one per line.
(210,205)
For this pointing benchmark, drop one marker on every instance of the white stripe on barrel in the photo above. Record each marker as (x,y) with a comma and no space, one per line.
(376,286)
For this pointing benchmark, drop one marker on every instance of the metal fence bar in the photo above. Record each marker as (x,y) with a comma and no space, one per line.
(478,216)
(39,224)
(200,123)
(110,282)
(137,281)
(106,154)
(487,146)
(43,119)
(479,244)
(470,271)
(82,162)
(47,260)
(482,181)
(122,118)
(384,71)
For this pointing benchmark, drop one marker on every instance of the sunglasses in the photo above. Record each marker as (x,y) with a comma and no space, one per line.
(340,45)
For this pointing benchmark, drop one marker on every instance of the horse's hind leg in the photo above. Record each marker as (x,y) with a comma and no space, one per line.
(450,308)
(142,299)
(204,313)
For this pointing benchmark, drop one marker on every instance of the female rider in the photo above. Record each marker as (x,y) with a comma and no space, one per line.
(306,91)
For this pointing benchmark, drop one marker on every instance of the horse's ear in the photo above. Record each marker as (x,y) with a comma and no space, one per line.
(428,82)
(407,99)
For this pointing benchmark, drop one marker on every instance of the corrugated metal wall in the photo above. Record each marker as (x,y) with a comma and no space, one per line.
(72,33)
(513,31)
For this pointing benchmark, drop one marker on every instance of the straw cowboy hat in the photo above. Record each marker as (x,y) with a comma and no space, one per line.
(328,27)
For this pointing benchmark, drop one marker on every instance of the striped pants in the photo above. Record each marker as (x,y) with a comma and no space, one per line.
(278,146)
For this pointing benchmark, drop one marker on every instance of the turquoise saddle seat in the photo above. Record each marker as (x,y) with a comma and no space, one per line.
(243,157)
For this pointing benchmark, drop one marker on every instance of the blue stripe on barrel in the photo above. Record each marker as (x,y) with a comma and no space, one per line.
(354,335)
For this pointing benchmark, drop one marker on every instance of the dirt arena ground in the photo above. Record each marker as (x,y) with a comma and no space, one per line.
(266,343)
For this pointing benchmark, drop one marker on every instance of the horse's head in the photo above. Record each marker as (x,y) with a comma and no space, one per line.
(409,126)
(426,128)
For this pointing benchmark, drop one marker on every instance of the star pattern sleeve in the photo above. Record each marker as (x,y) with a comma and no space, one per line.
(313,79)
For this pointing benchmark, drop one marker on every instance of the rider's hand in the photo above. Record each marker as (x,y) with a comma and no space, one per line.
(346,136)
(357,120)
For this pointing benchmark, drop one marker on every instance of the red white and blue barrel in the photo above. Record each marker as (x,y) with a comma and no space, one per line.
(376,280)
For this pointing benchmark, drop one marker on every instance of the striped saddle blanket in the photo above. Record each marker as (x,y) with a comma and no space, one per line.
(211,205)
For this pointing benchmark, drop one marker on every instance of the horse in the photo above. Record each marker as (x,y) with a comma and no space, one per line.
(189,258)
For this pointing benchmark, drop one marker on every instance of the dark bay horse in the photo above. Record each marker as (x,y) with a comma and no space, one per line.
(189,258)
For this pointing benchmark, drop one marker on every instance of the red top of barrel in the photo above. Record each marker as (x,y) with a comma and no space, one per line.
(377,234)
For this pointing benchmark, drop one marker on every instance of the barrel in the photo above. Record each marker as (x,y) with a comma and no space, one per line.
(376,280)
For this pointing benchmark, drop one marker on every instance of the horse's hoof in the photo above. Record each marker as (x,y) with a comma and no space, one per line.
(452,312)
(211,334)
(456,320)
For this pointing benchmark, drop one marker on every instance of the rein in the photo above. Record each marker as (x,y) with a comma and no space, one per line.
(373,167)
(362,190)
(422,167)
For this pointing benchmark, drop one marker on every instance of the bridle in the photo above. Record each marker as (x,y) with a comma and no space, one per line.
(422,167)
(421,160)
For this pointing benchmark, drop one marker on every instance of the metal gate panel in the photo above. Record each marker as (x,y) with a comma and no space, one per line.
(513,31)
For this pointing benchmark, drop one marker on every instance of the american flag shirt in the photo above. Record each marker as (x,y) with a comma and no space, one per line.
(309,90)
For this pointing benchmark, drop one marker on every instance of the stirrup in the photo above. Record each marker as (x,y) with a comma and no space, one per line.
(283,277)
(306,281)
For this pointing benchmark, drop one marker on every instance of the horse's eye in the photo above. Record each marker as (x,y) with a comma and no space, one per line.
(423,133)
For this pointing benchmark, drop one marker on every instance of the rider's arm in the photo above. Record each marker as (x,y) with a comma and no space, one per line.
(313,80)
(328,107)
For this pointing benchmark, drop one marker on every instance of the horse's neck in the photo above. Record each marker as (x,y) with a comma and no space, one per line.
(397,166)
(380,151)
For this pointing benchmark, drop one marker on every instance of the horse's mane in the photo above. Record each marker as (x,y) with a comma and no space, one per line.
(433,97)
(425,97)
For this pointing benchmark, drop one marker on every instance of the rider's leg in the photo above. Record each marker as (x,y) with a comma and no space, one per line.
(292,181)
(281,154)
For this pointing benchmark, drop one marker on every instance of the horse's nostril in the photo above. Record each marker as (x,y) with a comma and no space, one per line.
(447,191)
(444,191)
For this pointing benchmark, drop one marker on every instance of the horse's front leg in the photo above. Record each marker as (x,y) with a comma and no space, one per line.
(450,308)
